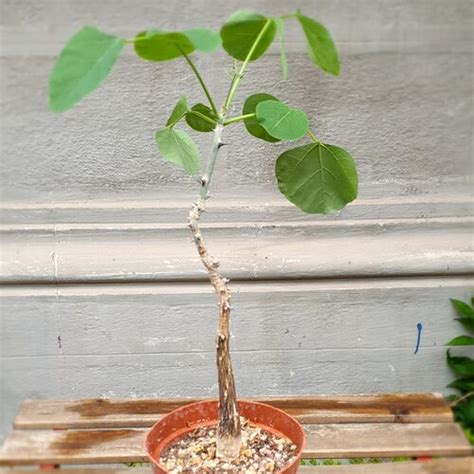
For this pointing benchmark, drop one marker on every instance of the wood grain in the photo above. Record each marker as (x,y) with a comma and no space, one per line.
(23,447)
(399,126)
(248,251)
(435,466)
(382,440)
(170,317)
(104,413)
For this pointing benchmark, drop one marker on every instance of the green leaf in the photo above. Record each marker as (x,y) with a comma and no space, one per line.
(251,124)
(178,112)
(469,433)
(238,37)
(203,39)
(463,366)
(466,411)
(461,341)
(321,48)
(280,27)
(177,146)
(162,46)
(198,123)
(82,65)
(317,178)
(463,309)
(463,385)
(243,15)
(468,323)
(280,121)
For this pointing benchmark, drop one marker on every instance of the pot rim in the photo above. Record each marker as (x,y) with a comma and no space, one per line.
(154,460)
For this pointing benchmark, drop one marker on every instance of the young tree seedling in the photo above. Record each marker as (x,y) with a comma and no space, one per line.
(316,177)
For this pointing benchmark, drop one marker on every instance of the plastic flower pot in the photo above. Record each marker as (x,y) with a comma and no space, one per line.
(189,417)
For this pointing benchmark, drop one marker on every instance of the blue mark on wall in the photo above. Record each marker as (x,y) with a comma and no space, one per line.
(419,328)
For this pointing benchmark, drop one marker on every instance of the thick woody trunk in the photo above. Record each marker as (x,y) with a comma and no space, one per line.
(228,431)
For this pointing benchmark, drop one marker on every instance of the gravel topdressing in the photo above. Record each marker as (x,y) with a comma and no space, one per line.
(261,452)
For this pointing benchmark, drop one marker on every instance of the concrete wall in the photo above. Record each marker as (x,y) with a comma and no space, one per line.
(103,294)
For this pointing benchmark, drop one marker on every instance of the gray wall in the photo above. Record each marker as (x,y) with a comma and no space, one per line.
(103,294)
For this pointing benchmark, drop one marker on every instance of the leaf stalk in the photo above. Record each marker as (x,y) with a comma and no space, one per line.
(313,137)
(200,79)
(200,115)
(238,118)
(238,76)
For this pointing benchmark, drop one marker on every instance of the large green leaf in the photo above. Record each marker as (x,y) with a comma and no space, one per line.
(177,146)
(463,309)
(464,412)
(198,123)
(280,121)
(251,124)
(243,15)
(178,112)
(321,48)
(463,385)
(317,178)
(238,36)
(463,366)
(81,66)
(468,323)
(203,39)
(280,26)
(162,46)
(461,341)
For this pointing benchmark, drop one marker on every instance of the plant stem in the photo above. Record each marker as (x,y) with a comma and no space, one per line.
(290,15)
(238,119)
(238,76)
(198,114)
(211,162)
(312,136)
(229,429)
(460,399)
(200,79)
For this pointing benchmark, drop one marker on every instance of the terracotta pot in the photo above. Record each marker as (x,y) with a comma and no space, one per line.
(189,417)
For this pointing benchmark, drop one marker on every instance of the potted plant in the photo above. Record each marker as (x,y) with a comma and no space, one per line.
(224,435)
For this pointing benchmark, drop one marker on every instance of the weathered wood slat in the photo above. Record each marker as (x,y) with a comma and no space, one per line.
(435,466)
(127,252)
(23,447)
(105,413)
(382,440)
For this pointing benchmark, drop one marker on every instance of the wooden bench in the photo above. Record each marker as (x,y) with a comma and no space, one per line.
(49,433)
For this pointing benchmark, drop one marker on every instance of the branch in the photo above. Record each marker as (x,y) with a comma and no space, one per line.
(200,79)
(238,118)
(238,76)
(198,114)
(460,399)
(229,429)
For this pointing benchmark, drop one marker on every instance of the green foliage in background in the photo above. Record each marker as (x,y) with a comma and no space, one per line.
(314,176)
(463,404)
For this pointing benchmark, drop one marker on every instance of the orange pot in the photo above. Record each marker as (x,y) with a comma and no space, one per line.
(189,417)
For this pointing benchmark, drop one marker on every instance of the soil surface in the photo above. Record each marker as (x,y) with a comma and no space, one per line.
(261,452)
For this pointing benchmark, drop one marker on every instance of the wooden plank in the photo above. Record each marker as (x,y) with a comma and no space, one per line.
(385,440)
(412,24)
(128,252)
(128,156)
(435,466)
(96,319)
(23,447)
(126,413)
